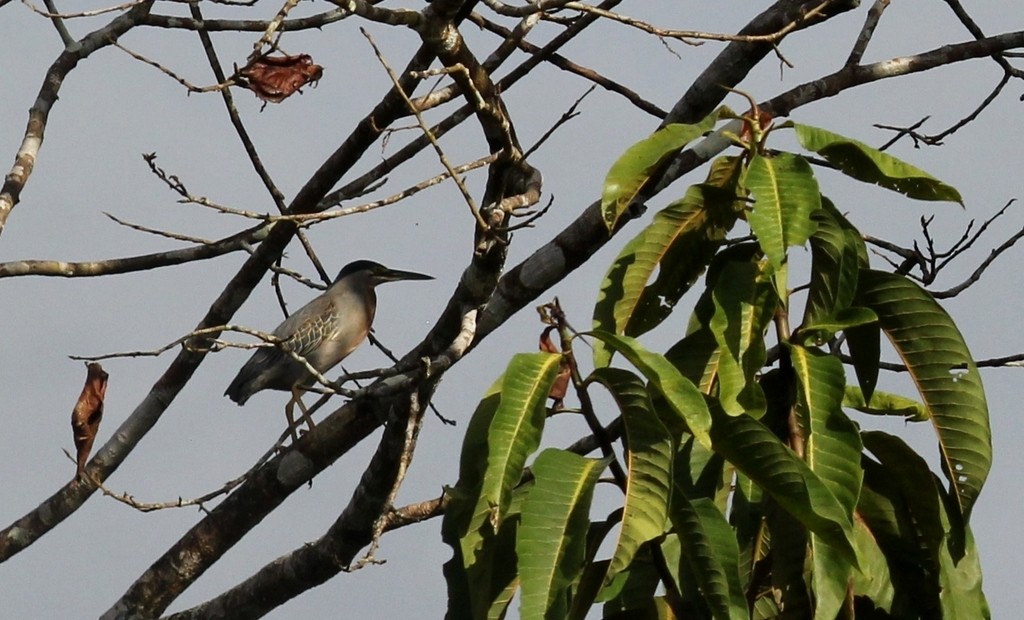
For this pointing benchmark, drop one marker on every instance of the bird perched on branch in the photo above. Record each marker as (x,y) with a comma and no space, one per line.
(323,332)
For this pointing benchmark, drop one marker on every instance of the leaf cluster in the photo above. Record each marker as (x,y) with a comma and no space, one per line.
(750,487)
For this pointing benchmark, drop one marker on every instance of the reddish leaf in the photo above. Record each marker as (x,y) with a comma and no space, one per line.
(764,119)
(85,419)
(561,384)
(275,78)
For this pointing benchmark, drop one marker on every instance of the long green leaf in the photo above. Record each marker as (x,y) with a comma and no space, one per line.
(515,431)
(679,243)
(870,165)
(885,403)
(633,169)
(552,536)
(833,450)
(631,591)
(504,430)
(825,328)
(681,395)
(915,482)
(697,356)
(746,514)
(758,453)
(912,567)
(469,574)
(960,591)
(833,444)
(836,248)
(745,302)
(947,378)
(786,195)
(505,575)
(873,581)
(865,343)
(711,555)
(649,458)
(935,571)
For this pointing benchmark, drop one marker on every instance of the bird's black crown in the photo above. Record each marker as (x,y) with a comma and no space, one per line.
(360,265)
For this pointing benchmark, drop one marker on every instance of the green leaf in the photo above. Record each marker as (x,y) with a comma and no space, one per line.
(745,302)
(746,514)
(700,472)
(712,557)
(865,343)
(633,169)
(960,592)
(786,196)
(870,165)
(679,243)
(591,582)
(833,447)
(918,491)
(789,578)
(913,570)
(470,577)
(758,453)
(885,403)
(649,459)
(588,588)
(830,578)
(824,328)
(696,356)
(836,248)
(873,581)
(504,430)
(832,442)
(946,376)
(552,536)
(934,566)
(631,590)
(765,608)
(681,395)
(515,431)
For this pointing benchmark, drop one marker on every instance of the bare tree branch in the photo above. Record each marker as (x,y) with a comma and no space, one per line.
(39,113)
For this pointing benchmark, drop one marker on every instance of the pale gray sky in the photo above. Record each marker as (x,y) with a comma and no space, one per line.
(112,109)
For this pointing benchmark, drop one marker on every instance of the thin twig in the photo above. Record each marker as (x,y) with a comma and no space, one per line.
(426,131)
(52,13)
(198,342)
(161,233)
(128,499)
(192,88)
(985,264)
(686,35)
(567,116)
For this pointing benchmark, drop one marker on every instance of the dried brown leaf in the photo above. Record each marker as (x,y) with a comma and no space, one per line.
(561,384)
(275,78)
(85,419)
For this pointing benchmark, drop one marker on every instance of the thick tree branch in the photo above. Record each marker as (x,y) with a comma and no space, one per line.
(316,562)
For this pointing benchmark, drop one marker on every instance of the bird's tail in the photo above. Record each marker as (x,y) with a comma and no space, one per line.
(239,390)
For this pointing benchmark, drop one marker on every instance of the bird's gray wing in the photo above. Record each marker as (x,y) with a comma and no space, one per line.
(308,327)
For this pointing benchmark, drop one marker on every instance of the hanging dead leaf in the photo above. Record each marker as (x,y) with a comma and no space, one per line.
(85,419)
(561,384)
(275,78)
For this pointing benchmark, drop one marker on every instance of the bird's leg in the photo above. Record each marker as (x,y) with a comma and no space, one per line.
(289,412)
(297,398)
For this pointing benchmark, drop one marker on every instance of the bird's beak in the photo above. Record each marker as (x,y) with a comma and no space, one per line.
(394,275)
